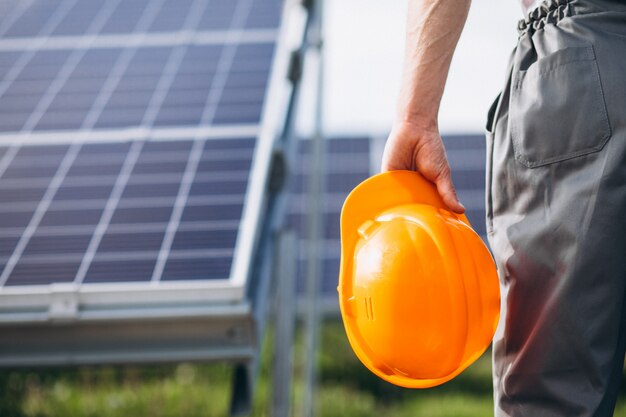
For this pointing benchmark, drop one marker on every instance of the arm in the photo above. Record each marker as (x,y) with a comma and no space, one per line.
(433,30)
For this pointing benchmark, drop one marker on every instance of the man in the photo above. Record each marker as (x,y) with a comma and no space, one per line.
(556,194)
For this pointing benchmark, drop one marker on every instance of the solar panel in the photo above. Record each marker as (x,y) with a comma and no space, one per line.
(74,222)
(75,18)
(157,86)
(466,155)
(347,162)
(135,144)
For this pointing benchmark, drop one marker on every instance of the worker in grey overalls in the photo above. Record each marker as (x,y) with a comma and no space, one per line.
(555,192)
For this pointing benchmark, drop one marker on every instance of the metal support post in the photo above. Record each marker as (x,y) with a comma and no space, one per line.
(315,220)
(241,398)
(285,261)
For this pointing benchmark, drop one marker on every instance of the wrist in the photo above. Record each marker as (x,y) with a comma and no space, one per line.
(417,124)
(417,112)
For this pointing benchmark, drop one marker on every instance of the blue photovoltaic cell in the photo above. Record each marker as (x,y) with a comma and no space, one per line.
(204,239)
(219,186)
(151,148)
(48,244)
(264,14)
(171,16)
(134,215)
(62,216)
(108,168)
(87,192)
(156,167)
(46,272)
(21,194)
(29,171)
(100,149)
(120,271)
(150,190)
(127,242)
(212,213)
(197,268)
(33,20)
(225,166)
(48,151)
(7,245)
(124,19)
(6,7)
(79,18)
(8,58)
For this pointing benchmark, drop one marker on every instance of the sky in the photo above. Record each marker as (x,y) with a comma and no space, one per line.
(364,43)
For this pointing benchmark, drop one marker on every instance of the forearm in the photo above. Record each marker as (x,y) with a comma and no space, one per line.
(433,30)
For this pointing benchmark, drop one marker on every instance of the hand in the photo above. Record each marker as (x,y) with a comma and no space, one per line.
(420,149)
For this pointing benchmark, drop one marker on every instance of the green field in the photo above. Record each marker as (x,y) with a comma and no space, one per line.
(346,389)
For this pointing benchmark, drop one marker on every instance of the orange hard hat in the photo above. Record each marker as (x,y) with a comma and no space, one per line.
(418,289)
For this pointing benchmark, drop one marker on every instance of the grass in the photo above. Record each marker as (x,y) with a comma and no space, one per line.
(346,389)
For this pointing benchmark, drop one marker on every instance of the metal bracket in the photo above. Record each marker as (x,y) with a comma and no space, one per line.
(278,171)
(308,4)
(295,67)
(63,302)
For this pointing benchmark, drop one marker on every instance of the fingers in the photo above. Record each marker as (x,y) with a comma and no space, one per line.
(448,193)
(432,163)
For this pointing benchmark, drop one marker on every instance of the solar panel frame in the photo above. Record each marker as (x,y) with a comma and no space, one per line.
(96,301)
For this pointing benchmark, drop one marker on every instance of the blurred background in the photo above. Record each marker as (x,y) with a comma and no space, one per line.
(364,52)
(171,178)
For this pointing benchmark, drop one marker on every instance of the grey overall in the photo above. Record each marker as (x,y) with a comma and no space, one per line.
(556,212)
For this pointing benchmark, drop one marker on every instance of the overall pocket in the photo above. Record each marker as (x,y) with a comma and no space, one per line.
(557,109)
